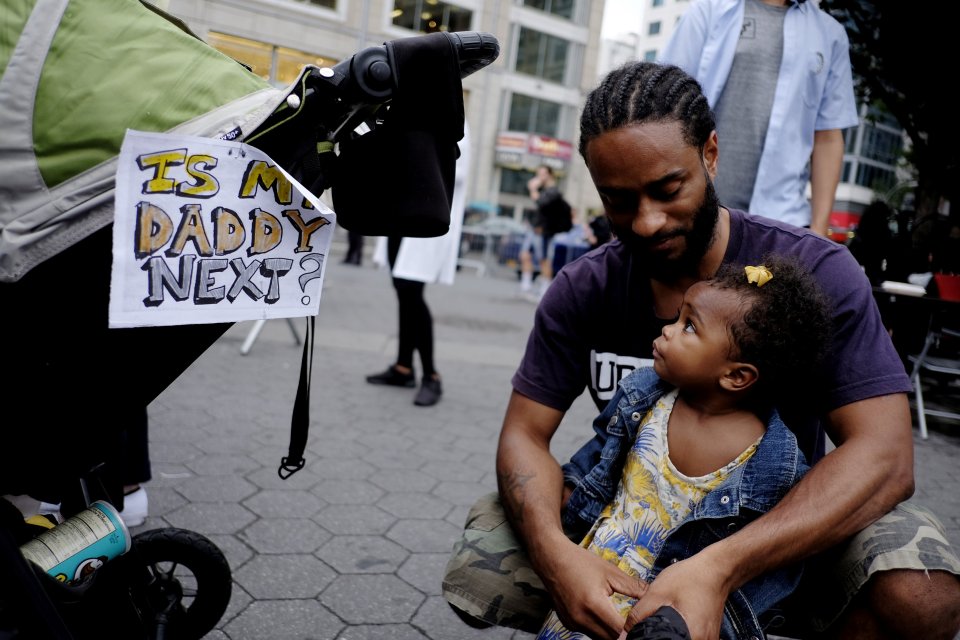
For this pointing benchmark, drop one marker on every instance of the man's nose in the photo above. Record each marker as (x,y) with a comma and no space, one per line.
(648,219)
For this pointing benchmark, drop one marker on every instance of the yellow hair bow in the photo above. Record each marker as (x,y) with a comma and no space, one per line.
(759,275)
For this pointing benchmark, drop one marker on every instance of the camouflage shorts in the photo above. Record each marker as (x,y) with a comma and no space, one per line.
(489,578)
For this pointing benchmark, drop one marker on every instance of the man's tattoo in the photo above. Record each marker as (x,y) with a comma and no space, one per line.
(512,491)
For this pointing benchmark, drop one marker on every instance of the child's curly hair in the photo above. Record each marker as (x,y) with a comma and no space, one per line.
(785,327)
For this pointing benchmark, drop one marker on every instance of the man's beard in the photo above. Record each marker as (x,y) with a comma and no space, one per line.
(698,240)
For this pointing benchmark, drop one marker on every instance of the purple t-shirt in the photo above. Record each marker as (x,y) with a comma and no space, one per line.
(596,324)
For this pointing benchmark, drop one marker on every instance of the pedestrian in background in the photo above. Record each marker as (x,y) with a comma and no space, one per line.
(354,248)
(777,75)
(553,216)
(414,262)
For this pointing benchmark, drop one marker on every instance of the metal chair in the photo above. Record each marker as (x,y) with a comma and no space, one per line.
(939,355)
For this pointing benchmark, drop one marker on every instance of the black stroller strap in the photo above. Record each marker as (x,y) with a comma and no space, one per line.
(300,421)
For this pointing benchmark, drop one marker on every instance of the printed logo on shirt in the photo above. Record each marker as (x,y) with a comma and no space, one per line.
(749,29)
(607,369)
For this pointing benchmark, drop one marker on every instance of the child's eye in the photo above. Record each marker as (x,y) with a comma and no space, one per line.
(688,327)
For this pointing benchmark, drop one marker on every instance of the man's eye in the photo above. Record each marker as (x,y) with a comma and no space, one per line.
(618,201)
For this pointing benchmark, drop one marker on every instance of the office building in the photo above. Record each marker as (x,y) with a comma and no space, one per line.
(523,110)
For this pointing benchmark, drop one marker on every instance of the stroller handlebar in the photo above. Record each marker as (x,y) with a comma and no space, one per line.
(373,79)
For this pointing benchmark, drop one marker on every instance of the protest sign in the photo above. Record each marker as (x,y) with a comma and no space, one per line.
(212,231)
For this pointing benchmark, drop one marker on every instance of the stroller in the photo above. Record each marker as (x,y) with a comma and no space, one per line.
(389,117)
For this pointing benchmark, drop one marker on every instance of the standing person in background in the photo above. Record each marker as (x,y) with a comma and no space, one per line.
(414,262)
(554,216)
(354,248)
(777,74)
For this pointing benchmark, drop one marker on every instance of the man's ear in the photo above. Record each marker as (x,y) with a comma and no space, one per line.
(739,377)
(711,154)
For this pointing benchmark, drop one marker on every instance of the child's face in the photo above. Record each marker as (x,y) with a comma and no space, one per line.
(694,351)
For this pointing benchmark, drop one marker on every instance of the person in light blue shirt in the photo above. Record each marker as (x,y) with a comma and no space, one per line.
(777,74)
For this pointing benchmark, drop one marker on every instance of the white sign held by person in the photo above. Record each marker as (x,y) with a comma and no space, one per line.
(212,231)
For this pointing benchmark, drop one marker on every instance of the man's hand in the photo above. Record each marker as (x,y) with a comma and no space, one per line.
(695,588)
(581,584)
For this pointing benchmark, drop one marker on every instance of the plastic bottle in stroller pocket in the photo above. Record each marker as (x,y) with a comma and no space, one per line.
(81,544)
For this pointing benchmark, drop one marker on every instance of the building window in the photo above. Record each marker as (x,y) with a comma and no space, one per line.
(654,28)
(876,178)
(514,181)
(532,115)
(429,16)
(650,56)
(562,8)
(657,3)
(329,4)
(542,55)
(882,146)
(279,65)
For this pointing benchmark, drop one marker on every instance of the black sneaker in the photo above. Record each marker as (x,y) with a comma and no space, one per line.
(393,378)
(429,394)
(665,624)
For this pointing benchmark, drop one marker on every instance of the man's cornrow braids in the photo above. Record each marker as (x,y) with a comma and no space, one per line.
(639,92)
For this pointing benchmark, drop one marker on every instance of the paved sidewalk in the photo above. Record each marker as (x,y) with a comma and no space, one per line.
(354,545)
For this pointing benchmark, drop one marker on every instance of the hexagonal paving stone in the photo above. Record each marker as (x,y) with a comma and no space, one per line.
(424,571)
(408,479)
(332,448)
(172,452)
(209,517)
(342,469)
(424,536)
(381,632)
(395,459)
(273,503)
(222,444)
(216,489)
(284,535)
(239,600)
(362,554)
(284,619)
(372,599)
(235,551)
(438,621)
(348,491)
(359,519)
(458,493)
(267,478)
(452,471)
(163,500)
(414,505)
(222,465)
(284,576)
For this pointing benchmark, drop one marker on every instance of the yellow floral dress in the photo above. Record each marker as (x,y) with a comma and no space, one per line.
(652,500)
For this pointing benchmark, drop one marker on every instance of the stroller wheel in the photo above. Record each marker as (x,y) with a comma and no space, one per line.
(189,582)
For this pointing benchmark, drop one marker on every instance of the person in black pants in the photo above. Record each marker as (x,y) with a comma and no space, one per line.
(416,334)
(413,263)
(354,248)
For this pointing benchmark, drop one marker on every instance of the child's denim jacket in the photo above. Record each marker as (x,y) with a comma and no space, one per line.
(751,490)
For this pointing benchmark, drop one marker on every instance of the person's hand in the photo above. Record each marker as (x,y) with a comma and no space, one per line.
(695,588)
(581,584)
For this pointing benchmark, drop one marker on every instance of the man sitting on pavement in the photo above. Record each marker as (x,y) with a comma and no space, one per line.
(880,566)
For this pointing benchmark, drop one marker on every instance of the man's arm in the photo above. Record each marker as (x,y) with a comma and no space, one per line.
(826,161)
(869,472)
(532,492)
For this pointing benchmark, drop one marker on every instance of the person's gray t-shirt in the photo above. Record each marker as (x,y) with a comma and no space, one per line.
(743,109)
